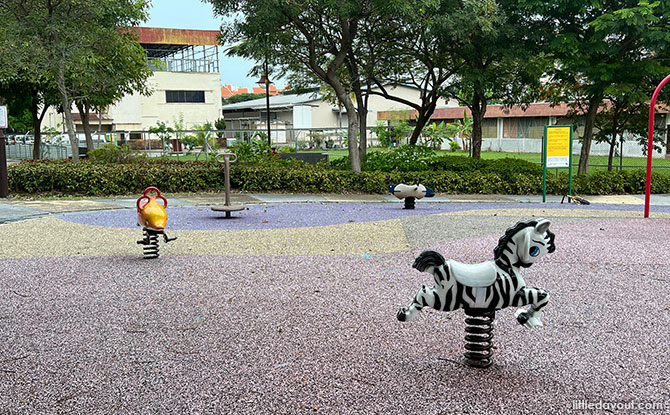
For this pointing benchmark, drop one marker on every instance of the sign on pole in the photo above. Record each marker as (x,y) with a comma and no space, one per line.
(557,153)
(4,182)
(3,117)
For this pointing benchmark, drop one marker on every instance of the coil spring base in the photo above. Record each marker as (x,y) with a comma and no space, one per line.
(150,242)
(409,202)
(479,337)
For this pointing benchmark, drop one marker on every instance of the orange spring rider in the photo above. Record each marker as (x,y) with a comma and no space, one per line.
(152,217)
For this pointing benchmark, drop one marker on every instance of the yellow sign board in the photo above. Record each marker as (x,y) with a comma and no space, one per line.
(558,145)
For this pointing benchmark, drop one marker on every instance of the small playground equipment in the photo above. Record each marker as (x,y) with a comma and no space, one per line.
(151,216)
(481,289)
(577,200)
(227,206)
(410,193)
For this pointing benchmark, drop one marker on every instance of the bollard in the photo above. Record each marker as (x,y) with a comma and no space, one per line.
(481,289)
(151,216)
(227,206)
(410,193)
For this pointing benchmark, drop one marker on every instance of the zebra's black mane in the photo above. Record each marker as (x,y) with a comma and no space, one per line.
(509,233)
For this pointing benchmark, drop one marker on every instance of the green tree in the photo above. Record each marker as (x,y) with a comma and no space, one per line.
(462,129)
(163,132)
(402,45)
(599,45)
(241,98)
(298,35)
(498,45)
(53,40)
(220,125)
(433,135)
(112,69)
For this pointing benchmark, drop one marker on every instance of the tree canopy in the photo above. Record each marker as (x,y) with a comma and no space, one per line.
(601,48)
(78,49)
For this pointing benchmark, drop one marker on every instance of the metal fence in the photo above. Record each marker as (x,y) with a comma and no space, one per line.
(628,155)
(22,151)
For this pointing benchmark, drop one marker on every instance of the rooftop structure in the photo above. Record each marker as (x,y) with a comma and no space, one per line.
(180,50)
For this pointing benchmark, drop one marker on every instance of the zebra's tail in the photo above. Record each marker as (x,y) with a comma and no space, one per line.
(428,259)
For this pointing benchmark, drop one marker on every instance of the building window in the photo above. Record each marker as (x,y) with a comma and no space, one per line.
(185,96)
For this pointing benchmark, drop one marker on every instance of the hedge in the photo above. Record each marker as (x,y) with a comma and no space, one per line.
(96,179)
(90,178)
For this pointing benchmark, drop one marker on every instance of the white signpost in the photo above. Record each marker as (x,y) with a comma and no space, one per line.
(4,182)
(3,117)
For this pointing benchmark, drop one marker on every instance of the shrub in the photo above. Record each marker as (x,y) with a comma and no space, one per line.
(403,158)
(90,177)
(93,178)
(455,163)
(253,152)
(509,168)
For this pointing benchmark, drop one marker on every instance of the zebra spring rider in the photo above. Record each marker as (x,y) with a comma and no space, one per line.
(151,216)
(481,289)
(410,193)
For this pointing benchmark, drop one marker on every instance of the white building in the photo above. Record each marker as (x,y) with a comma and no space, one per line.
(186,83)
(294,117)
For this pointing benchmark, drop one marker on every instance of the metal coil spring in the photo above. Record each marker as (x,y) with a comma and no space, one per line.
(409,202)
(479,337)
(150,243)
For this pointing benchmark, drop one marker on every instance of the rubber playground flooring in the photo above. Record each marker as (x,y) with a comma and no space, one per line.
(289,308)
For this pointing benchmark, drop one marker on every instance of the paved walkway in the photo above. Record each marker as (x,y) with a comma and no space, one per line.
(289,308)
(11,210)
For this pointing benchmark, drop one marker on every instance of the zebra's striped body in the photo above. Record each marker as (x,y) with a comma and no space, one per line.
(491,285)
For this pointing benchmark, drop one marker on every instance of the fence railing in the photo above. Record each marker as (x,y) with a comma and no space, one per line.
(325,139)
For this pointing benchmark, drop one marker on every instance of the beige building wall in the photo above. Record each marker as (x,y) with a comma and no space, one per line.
(139,113)
(146,111)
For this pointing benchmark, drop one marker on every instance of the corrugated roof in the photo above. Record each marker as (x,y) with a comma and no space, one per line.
(275,102)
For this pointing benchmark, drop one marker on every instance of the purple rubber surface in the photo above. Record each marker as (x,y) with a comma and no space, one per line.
(297,335)
(289,215)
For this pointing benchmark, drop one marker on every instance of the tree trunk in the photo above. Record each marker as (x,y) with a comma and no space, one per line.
(67,110)
(421,120)
(591,113)
(478,109)
(362,104)
(84,112)
(352,121)
(352,133)
(99,122)
(610,157)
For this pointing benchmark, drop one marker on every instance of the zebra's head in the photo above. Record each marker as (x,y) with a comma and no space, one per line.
(525,243)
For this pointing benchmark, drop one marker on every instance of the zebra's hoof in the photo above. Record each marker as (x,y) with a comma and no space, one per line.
(527,319)
(402,315)
(522,317)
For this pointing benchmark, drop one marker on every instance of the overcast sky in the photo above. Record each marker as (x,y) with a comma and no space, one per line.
(194,14)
